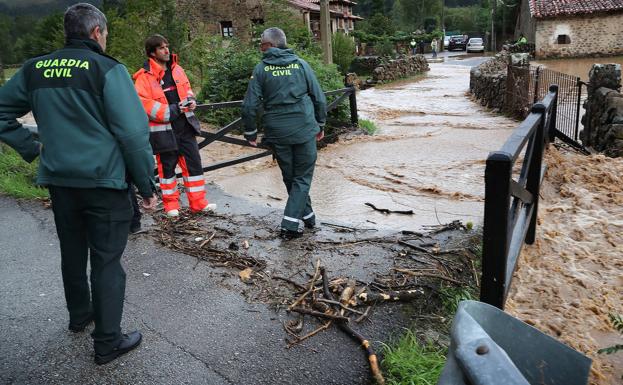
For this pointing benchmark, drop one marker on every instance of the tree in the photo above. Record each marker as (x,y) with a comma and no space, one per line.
(379,25)
(46,36)
(132,22)
(6,42)
(398,16)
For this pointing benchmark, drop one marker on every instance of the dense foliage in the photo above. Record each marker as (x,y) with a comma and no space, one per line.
(343,51)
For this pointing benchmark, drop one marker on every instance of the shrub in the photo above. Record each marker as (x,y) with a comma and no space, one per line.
(228,67)
(343,51)
(385,48)
(368,126)
(229,82)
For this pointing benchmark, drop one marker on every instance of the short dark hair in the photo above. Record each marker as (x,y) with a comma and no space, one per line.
(153,42)
(80,20)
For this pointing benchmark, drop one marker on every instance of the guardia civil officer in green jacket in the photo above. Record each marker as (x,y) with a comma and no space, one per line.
(93,130)
(295,111)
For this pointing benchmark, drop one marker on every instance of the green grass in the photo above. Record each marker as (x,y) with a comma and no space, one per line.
(451,296)
(368,126)
(9,72)
(17,177)
(407,362)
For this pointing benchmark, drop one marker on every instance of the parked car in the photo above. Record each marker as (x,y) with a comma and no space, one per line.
(475,44)
(446,41)
(457,42)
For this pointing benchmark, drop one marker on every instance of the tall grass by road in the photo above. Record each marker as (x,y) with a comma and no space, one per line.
(17,177)
(409,362)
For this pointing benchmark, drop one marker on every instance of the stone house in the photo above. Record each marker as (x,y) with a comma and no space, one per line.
(238,17)
(341,11)
(563,28)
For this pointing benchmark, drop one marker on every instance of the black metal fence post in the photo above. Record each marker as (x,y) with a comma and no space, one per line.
(551,130)
(536,84)
(533,183)
(352,98)
(577,112)
(498,174)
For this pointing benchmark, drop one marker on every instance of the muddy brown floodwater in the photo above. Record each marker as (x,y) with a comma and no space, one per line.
(428,156)
(577,66)
(570,280)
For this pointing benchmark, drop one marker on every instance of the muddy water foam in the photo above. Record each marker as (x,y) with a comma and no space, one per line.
(428,156)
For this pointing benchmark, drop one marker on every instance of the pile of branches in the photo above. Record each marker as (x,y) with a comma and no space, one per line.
(189,235)
(335,302)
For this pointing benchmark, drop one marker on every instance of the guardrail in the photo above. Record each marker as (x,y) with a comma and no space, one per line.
(511,201)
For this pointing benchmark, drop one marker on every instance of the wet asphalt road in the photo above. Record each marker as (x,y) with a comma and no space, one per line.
(197,327)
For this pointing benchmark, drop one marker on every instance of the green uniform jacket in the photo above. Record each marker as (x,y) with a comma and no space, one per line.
(89,117)
(294,105)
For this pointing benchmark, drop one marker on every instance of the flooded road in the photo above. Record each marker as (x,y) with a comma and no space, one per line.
(428,156)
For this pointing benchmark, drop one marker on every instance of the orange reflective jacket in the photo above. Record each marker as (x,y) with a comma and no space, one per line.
(148,83)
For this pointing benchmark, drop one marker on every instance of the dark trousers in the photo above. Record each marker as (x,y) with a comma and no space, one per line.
(297,162)
(189,149)
(93,222)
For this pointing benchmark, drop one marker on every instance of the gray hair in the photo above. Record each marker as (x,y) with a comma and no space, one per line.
(81,19)
(274,36)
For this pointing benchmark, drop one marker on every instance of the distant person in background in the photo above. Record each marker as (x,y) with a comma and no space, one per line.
(433,47)
(422,45)
(413,45)
(522,40)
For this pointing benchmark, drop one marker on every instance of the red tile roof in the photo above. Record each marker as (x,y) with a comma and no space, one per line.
(551,8)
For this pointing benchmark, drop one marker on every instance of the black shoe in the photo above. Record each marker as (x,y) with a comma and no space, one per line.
(128,342)
(80,326)
(135,228)
(290,234)
(310,224)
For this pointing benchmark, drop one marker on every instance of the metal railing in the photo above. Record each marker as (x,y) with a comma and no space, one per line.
(221,134)
(527,84)
(511,202)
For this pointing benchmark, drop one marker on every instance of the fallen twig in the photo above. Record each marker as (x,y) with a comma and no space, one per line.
(394,296)
(374,363)
(418,274)
(415,247)
(319,314)
(339,304)
(345,227)
(387,211)
(310,288)
(308,335)
(288,280)
(364,315)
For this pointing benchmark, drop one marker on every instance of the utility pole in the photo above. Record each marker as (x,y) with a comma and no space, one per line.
(325,31)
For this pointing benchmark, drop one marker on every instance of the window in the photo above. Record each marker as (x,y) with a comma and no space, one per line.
(227,28)
(564,39)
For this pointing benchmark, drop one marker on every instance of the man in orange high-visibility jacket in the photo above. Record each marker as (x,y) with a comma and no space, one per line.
(169,103)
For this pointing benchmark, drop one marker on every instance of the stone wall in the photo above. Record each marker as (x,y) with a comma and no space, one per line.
(589,35)
(487,82)
(206,15)
(603,122)
(388,70)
